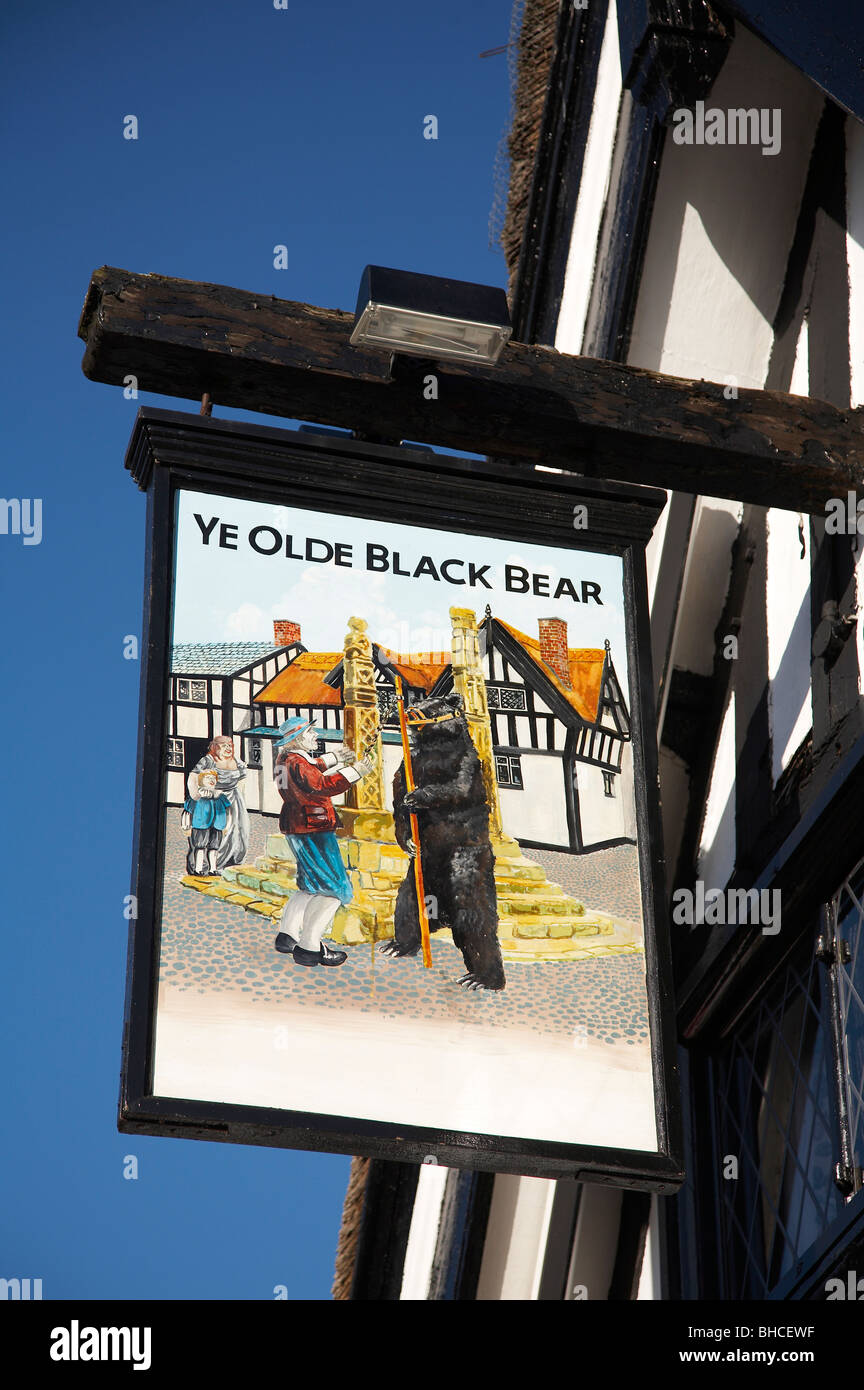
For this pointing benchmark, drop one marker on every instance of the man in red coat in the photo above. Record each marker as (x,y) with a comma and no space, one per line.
(307,783)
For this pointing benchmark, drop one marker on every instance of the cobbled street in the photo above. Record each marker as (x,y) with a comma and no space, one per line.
(216,948)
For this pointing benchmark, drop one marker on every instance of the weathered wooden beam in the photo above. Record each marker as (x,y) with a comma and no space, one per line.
(600,419)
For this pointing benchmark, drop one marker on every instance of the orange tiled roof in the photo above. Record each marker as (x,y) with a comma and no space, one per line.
(416,672)
(301,681)
(586,673)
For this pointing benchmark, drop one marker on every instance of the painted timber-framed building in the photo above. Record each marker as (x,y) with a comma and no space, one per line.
(561,736)
(732,262)
(213,689)
(560,723)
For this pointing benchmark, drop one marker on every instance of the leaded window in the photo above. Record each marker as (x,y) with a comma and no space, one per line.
(175,753)
(506,697)
(849,966)
(194,691)
(789,1105)
(388,705)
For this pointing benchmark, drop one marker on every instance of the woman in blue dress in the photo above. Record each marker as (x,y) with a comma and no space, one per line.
(230,772)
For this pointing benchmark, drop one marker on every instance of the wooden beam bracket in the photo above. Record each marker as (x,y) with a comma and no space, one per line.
(578,414)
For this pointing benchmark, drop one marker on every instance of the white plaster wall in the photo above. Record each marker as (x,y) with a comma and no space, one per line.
(253,789)
(191,723)
(595,1243)
(539,811)
(423,1235)
(722,227)
(723,222)
(175,789)
(650,1276)
(270,800)
(593,188)
(790,708)
(245,719)
(716,858)
(716,523)
(523,731)
(603,817)
(515,1246)
(654,555)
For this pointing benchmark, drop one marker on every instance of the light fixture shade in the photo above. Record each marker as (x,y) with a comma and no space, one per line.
(428,316)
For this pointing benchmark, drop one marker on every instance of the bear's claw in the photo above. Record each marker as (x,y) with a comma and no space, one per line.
(470,981)
(392,949)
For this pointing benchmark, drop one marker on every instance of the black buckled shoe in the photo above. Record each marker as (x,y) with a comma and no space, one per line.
(326,956)
(285,943)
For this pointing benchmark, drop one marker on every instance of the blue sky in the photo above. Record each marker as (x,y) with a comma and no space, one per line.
(257,127)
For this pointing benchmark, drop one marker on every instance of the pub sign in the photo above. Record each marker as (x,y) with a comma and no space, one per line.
(398,880)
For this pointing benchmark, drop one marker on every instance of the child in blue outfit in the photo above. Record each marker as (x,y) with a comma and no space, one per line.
(204,821)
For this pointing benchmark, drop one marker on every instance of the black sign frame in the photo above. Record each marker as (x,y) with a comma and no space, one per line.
(171,450)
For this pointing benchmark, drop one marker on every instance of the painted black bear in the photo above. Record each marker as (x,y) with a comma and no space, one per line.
(455,851)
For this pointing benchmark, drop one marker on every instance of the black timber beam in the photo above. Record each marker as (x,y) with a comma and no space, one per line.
(600,419)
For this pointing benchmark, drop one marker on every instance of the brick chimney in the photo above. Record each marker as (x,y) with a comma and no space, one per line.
(553,648)
(285,633)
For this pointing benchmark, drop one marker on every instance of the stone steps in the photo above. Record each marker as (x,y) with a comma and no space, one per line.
(544,925)
(273,876)
(530,908)
(374,911)
(527,888)
(544,903)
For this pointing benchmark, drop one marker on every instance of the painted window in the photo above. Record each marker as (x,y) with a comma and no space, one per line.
(508,767)
(507,697)
(609,783)
(194,691)
(175,753)
(388,706)
(254,752)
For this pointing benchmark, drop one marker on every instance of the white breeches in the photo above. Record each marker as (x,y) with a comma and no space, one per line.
(307,917)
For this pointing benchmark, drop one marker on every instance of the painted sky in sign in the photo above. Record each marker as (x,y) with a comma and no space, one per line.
(234,595)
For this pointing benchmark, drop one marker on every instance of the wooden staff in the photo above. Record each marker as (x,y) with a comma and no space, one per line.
(415,828)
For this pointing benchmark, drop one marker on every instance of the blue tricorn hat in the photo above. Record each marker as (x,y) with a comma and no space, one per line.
(291,728)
